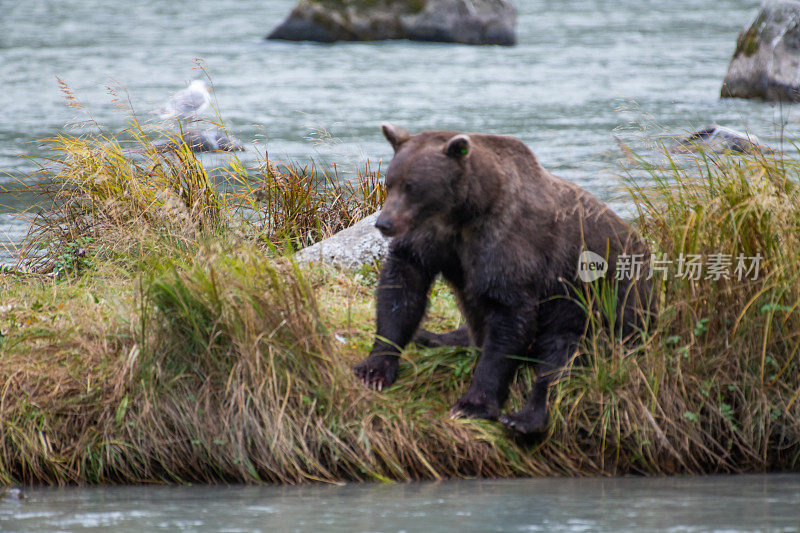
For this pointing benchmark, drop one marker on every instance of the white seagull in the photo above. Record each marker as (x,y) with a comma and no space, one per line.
(188,104)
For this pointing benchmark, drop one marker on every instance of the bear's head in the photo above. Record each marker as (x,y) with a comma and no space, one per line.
(422,180)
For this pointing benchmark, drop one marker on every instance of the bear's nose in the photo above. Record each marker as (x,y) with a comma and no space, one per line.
(384,226)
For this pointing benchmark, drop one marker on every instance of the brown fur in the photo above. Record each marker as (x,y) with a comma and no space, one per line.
(506,234)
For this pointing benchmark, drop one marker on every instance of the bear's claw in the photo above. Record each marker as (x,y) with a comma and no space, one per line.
(525,422)
(377,371)
(475,406)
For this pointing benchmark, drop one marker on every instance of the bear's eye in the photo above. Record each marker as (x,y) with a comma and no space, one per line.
(408,188)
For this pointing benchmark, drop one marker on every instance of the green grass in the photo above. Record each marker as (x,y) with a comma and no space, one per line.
(166,337)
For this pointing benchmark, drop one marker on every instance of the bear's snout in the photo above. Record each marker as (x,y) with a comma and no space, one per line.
(385,226)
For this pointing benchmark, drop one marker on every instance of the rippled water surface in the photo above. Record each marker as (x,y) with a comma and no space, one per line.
(583,71)
(715,503)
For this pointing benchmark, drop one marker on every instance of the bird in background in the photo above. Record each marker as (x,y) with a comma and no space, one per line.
(188,104)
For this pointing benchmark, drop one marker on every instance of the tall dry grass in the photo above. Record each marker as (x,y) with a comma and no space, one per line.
(209,357)
(109,188)
(713,386)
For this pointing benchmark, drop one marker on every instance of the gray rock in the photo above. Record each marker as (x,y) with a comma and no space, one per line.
(358,245)
(206,141)
(719,139)
(11,493)
(457,21)
(766,63)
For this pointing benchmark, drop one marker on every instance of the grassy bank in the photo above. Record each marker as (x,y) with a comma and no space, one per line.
(164,336)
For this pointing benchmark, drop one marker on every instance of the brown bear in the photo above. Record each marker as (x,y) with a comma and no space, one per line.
(506,234)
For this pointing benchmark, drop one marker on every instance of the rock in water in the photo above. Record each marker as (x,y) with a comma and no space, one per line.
(766,63)
(11,493)
(206,141)
(457,21)
(358,245)
(719,139)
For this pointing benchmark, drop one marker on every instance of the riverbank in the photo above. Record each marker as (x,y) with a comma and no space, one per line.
(166,337)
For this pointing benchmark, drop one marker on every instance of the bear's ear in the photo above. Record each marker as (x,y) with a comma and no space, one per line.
(458,146)
(395,135)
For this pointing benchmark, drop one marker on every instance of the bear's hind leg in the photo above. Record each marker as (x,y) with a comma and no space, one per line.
(553,352)
(458,337)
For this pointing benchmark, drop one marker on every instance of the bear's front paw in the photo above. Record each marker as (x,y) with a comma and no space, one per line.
(475,405)
(526,422)
(377,371)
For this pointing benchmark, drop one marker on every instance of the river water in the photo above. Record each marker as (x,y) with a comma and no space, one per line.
(715,503)
(583,71)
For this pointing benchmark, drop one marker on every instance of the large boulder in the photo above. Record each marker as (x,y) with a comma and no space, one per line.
(351,248)
(457,21)
(766,63)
